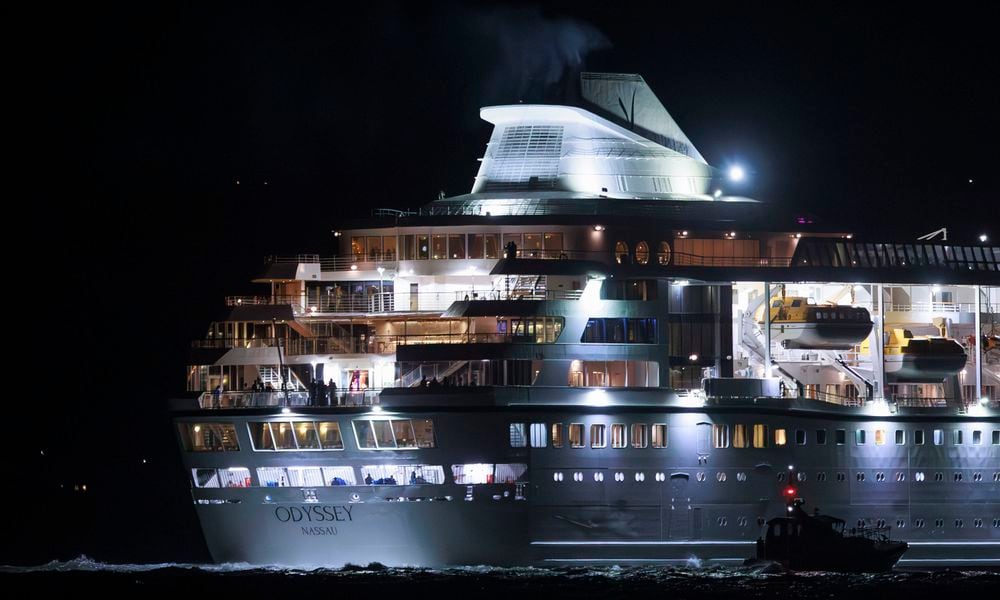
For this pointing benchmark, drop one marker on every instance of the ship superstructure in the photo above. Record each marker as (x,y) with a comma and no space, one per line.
(605,352)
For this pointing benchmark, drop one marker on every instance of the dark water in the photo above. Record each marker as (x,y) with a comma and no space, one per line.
(476,583)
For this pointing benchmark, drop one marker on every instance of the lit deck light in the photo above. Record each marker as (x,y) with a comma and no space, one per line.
(983,238)
(849,235)
(684,233)
(717,193)
(798,235)
(736,173)
(376,409)
(598,227)
(337,234)
(693,357)
(354,267)
(286,411)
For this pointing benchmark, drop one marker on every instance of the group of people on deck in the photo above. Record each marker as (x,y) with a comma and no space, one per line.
(391,480)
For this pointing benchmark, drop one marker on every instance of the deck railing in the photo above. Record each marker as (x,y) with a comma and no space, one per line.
(279,399)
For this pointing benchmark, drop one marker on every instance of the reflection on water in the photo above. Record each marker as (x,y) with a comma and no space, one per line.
(693,581)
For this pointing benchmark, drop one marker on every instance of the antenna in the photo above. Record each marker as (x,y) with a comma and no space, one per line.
(943,232)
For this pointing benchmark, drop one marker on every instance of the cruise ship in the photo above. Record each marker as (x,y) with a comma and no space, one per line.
(605,352)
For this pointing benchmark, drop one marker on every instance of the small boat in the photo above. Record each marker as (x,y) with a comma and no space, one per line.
(920,359)
(805,542)
(797,323)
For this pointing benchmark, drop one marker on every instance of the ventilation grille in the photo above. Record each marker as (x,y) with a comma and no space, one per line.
(525,156)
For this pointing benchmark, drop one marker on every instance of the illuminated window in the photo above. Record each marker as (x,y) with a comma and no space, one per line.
(284,437)
(639,439)
(840,437)
(209,437)
(642,253)
(557,435)
(597,439)
(659,435)
(518,439)
(959,437)
(720,436)
(538,435)
(329,435)
(305,435)
(880,437)
(740,439)
(779,437)
(576,435)
(621,252)
(402,474)
(938,437)
(618,439)
(759,436)
(663,256)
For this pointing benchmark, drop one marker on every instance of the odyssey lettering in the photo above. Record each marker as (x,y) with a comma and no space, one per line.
(313,514)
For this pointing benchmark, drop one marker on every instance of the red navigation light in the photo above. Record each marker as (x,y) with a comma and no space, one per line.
(789,491)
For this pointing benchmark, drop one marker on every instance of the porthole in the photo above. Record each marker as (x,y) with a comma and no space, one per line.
(557,476)
(918,523)
(700,476)
(642,253)
(958,477)
(598,476)
(977,476)
(939,477)
(900,476)
(939,522)
(621,252)
(619,476)
(578,476)
(900,523)
(841,477)
(800,476)
(880,477)
(741,476)
(721,477)
(880,523)
(918,476)
(959,523)
(722,521)
(860,477)
(661,477)
(781,477)
(821,476)
(978,523)
(663,256)
(640,477)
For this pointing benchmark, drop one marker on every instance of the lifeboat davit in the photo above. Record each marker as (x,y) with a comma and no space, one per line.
(799,324)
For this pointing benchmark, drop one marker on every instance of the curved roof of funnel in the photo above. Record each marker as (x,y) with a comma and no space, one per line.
(620,144)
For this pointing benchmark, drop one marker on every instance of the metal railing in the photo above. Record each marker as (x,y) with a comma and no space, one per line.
(274,399)
(946,307)
(374,344)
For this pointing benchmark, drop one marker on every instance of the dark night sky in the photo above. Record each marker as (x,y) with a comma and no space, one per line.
(132,123)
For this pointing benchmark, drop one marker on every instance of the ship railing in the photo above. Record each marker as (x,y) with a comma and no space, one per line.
(924,401)
(230,400)
(942,307)
(695,260)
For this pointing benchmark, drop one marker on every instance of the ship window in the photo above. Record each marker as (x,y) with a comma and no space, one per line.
(996,437)
(977,437)
(720,477)
(334,476)
(456,246)
(205,478)
(358,247)
(720,436)
(841,476)
(305,435)
(553,241)
(938,437)
(576,435)
(780,439)
(272,476)
(618,439)
(900,437)
(659,435)
(423,246)
(597,436)
(918,476)
(384,435)
(402,474)
(284,436)
(939,476)
(840,436)
(439,246)
(740,439)
(958,477)
(880,437)
(557,435)
(800,437)
(260,436)
(305,476)
(424,432)
(532,244)
(760,435)
(538,435)
(209,437)
(642,253)
(518,439)
(821,476)
(859,437)
(639,435)
(958,437)
(234,477)
(918,437)
(821,437)
(621,252)
(800,476)
(365,434)
(329,436)
(402,430)
(663,256)
(900,476)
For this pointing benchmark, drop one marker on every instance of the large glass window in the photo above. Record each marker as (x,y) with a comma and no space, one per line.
(480,473)
(621,252)
(389,248)
(439,246)
(424,431)
(358,248)
(407,250)
(205,478)
(619,331)
(402,430)
(720,436)
(512,237)
(663,256)
(557,435)
(456,245)
(329,435)
(740,439)
(260,436)
(532,245)
(553,243)
(306,436)
(339,475)
(209,437)
(402,474)
(518,436)
(576,435)
(284,437)
(780,438)
(374,247)
(423,246)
